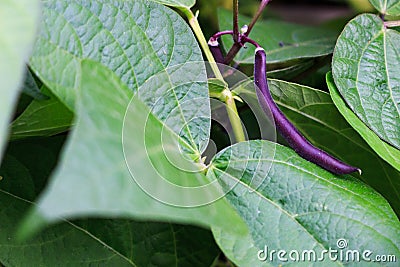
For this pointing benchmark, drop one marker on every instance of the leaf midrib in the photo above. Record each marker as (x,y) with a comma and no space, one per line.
(279,208)
(293,217)
(286,163)
(192,146)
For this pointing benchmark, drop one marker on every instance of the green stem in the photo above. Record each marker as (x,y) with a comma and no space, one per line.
(234,116)
(229,99)
(194,23)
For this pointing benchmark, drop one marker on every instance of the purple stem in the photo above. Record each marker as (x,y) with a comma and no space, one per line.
(244,39)
(238,45)
(215,48)
(219,34)
(261,8)
(236,21)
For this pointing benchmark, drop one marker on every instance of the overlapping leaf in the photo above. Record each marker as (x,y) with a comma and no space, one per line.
(102,242)
(93,178)
(139,51)
(134,39)
(365,70)
(389,7)
(282,41)
(42,118)
(18,22)
(81,243)
(16,200)
(299,206)
(315,115)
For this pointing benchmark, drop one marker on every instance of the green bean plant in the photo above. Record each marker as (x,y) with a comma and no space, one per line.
(129,138)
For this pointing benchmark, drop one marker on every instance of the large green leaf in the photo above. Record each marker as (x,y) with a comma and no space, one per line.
(42,118)
(387,7)
(85,242)
(93,178)
(365,70)
(18,22)
(143,39)
(291,71)
(282,41)
(385,151)
(315,115)
(22,179)
(300,207)
(155,244)
(102,242)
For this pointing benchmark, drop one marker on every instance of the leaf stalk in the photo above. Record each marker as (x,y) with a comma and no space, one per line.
(230,100)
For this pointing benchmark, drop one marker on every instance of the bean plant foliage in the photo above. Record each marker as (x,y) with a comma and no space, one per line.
(104,153)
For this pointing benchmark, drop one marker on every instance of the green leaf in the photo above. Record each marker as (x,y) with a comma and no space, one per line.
(142,40)
(42,118)
(18,22)
(94,165)
(30,162)
(239,248)
(385,151)
(288,203)
(94,241)
(283,42)
(387,7)
(93,178)
(315,115)
(216,88)
(291,71)
(142,34)
(177,3)
(31,88)
(51,247)
(103,242)
(365,70)
(155,244)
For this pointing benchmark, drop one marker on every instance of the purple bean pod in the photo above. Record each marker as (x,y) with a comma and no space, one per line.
(295,140)
(216,51)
